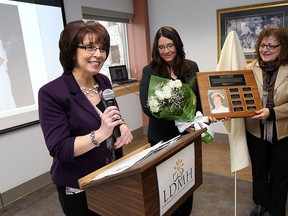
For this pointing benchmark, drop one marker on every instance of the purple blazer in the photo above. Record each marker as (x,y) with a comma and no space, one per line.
(65,113)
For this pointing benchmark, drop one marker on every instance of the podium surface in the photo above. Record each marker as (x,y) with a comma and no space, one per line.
(135,190)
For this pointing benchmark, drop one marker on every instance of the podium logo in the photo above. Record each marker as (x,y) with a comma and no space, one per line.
(175,176)
(179,169)
(180,179)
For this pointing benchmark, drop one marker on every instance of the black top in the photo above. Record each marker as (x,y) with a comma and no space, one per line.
(160,129)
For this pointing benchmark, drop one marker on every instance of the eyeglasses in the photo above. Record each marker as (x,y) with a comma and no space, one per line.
(92,49)
(269,46)
(169,47)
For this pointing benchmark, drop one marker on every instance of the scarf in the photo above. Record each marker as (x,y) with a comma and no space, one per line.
(110,153)
(269,72)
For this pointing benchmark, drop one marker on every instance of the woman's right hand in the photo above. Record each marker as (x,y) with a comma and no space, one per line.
(109,120)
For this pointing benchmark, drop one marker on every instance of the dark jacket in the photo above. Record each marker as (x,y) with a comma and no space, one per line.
(160,129)
(65,113)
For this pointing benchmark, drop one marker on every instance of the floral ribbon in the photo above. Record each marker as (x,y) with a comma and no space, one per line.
(199,122)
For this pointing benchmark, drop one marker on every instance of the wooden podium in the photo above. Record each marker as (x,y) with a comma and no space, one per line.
(135,191)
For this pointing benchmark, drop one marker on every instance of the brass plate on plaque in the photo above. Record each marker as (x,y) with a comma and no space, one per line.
(231,94)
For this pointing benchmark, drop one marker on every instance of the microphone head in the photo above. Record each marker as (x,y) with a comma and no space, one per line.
(108,94)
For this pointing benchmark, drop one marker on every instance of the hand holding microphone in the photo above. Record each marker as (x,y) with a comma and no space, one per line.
(109,97)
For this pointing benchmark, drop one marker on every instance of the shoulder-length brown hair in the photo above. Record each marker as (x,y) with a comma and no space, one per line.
(73,35)
(281,35)
(180,67)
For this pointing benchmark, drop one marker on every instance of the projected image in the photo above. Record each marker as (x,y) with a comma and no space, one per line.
(29,35)
(14,72)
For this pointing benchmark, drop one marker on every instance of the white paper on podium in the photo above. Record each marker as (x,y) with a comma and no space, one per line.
(125,164)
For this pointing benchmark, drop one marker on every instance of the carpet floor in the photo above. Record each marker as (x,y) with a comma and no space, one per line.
(215,197)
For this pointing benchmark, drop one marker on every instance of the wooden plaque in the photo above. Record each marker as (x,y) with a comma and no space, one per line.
(231,94)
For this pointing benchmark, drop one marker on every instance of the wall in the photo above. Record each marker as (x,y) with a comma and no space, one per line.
(139,39)
(20,151)
(131,111)
(196,22)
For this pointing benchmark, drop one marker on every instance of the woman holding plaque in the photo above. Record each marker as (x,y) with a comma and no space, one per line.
(267,131)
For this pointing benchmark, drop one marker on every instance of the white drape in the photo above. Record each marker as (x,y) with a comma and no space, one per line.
(232,58)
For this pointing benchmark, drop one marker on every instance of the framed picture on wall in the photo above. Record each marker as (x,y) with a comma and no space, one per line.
(248,21)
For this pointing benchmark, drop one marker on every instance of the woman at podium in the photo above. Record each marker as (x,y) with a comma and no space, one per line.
(76,119)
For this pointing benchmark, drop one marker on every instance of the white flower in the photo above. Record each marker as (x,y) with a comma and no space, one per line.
(159,94)
(171,84)
(174,84)
(167,92)
(178,83)
(153,104)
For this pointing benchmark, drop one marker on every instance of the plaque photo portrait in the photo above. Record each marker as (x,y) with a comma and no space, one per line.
(218,101)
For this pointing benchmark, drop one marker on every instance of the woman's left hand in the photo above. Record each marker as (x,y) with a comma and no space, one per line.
(261,114)
(192,128)
(212,119)
(125,138)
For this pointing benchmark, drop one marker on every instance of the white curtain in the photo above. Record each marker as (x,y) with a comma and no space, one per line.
(232,58)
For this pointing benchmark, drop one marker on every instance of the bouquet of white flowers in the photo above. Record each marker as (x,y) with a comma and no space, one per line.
(171,99)
(174,100)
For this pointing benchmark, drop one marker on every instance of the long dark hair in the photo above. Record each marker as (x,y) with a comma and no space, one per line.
(281,35)
(179,66)
(73,35)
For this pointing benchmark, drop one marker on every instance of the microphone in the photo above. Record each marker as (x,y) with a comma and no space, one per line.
(108,96)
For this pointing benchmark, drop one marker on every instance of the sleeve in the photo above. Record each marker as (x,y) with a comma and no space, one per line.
(144,87)
(194,70)
(272,116)
(55,126)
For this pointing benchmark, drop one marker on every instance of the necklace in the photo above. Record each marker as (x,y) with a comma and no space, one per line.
(90,91)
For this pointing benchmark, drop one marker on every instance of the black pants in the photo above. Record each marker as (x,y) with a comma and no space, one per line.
(185,209)
(75,204)
(270,173)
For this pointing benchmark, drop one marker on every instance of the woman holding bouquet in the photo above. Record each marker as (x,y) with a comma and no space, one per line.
(168,61)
